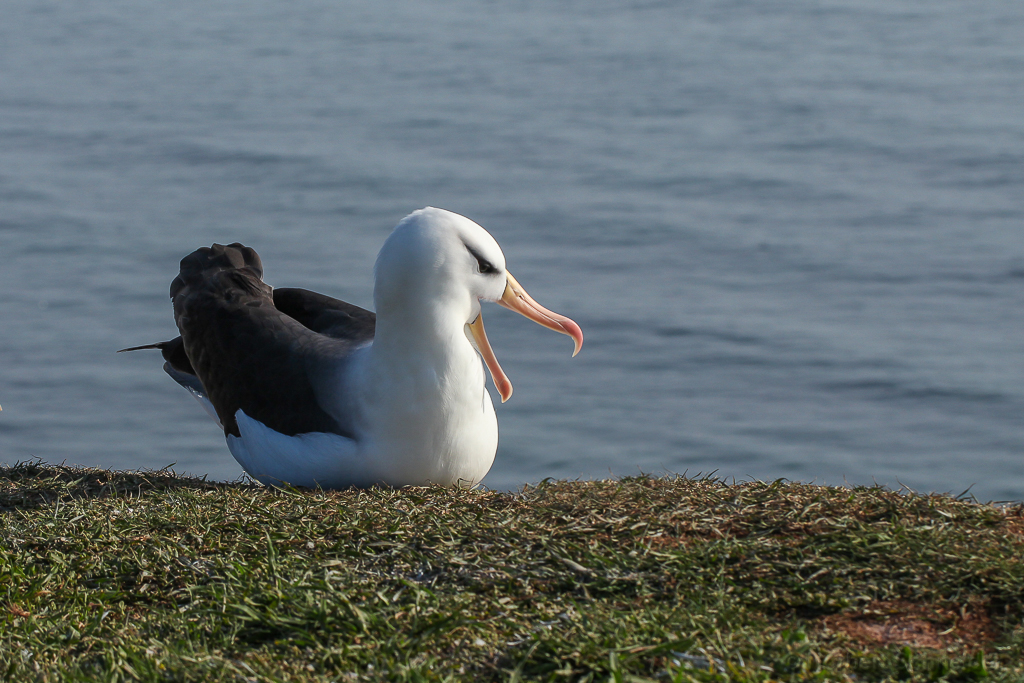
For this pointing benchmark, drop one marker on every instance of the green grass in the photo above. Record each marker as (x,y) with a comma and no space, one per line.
(148,576)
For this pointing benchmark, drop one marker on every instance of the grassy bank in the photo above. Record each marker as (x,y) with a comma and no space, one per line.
(124,576)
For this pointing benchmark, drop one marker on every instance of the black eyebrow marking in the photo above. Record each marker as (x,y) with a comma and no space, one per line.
(486,267)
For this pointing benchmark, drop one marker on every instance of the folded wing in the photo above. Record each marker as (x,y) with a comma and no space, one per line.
(244,346)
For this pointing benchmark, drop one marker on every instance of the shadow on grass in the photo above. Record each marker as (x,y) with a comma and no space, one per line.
(27,485)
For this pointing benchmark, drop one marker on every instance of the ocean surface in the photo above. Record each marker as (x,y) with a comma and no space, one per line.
(792,232)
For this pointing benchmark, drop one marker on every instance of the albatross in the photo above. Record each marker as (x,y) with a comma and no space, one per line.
(313,391)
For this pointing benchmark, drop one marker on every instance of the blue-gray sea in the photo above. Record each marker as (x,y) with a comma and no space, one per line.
(792,231)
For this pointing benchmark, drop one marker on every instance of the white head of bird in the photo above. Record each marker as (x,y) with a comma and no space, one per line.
(437,266)
(441,260)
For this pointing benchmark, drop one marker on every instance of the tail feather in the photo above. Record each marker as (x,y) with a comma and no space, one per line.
(173,352)
(159,346)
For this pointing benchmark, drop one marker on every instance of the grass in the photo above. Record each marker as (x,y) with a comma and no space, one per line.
(109,576)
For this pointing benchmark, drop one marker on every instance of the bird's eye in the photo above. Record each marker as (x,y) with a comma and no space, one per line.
(486,267)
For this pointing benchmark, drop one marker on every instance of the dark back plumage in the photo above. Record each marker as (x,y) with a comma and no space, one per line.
(258,349)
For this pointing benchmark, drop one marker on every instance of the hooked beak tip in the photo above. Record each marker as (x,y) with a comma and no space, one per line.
(574,331)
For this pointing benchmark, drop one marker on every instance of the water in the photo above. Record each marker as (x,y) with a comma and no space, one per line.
(790,231)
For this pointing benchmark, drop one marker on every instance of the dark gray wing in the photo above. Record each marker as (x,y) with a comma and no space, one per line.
(326,315)
(249,354)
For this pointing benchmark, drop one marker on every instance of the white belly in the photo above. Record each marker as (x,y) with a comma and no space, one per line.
(316,459)
(408,449)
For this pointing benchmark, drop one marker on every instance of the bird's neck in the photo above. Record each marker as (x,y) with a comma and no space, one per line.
(423,342)
(423,399)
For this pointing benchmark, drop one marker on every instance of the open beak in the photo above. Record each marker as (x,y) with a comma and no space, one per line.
(516,299)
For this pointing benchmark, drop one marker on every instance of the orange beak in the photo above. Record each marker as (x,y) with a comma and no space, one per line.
(516,299)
